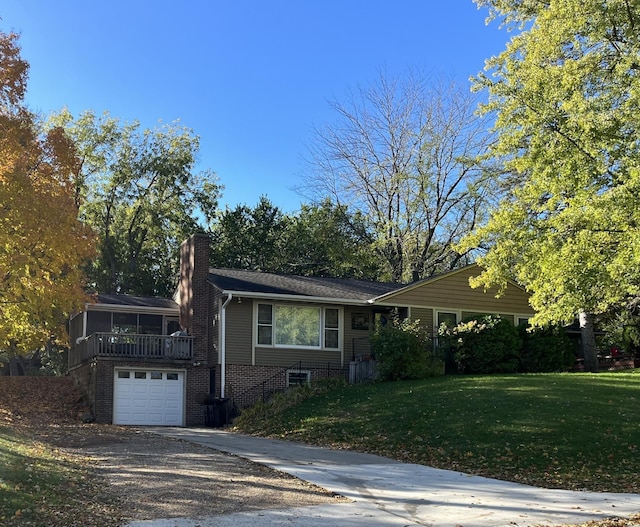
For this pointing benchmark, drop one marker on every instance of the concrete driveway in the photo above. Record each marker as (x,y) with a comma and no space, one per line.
(393,494)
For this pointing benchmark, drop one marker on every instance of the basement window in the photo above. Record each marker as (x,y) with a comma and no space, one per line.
(298,378)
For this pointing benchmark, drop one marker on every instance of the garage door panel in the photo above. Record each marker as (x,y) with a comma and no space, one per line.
(156,391)
(149,397)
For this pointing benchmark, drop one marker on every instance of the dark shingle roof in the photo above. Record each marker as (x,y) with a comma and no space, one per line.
(141,301)
(277,284)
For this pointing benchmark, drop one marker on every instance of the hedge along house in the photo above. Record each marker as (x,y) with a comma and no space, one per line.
(251,333)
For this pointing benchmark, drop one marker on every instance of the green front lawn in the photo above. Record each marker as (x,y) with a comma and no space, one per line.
(573,431)
(44,486)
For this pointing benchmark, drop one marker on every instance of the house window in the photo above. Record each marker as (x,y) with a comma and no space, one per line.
(265,324)
(450,319)
(298,378)
(331,328)
(523,320)
(298,326)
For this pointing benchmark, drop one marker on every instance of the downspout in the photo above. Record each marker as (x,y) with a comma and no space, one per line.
(223,345)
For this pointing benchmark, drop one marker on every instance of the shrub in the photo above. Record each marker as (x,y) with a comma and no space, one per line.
(403,351)
(545,350)
(486,344)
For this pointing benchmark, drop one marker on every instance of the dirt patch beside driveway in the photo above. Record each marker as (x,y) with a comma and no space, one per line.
(158,477)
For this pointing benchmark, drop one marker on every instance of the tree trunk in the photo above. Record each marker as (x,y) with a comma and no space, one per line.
(14,367)
(14,370)
(588,342)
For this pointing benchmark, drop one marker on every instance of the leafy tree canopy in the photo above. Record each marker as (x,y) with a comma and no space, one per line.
(566,92)
(42,244)
(319,240)
(325,239)
(138,190)
(250,238)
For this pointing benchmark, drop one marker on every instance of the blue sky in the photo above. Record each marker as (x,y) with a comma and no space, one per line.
(250,77)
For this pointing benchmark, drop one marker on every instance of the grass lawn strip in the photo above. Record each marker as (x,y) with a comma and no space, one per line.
(44,486)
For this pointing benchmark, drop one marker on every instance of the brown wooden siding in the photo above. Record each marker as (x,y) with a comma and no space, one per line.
(454,292)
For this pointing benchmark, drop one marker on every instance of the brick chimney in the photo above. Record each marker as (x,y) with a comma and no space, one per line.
(194,292)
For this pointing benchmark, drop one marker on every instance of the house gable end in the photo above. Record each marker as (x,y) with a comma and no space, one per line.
(452,290)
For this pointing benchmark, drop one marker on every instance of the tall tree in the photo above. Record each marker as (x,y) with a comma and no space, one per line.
(250,238)
(319,240)
(405,153)
(326,240)
(139,192)
(42,244)
(567,95)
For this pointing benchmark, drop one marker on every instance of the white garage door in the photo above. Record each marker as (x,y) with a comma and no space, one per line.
(148,397)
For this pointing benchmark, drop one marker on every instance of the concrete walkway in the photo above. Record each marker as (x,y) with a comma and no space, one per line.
(394,494)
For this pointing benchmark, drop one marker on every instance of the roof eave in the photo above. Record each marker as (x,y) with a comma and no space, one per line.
(123,307)
(296,298)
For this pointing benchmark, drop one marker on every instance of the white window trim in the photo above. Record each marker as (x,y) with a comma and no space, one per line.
(322,327)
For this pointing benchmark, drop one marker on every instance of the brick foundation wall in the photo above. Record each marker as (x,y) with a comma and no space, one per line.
(248,385)
(243,382)
(96,380)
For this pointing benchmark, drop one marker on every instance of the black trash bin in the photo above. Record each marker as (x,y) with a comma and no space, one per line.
(216,411)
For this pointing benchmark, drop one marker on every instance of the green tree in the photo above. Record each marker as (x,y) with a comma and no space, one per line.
(138,190)
(404,152)
(250,238)
(566,93)
(319,240)
(326,240)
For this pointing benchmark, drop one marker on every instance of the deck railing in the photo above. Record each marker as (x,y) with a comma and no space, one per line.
(131,346)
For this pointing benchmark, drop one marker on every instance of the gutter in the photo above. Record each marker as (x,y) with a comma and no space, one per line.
(223,345)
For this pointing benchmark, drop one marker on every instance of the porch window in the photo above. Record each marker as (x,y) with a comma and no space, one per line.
(119,322)
(99,321)
(125,323)
(150,324)
(298,326)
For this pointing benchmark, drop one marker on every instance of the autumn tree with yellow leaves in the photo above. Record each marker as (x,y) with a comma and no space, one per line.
(42,243)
